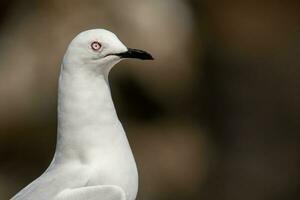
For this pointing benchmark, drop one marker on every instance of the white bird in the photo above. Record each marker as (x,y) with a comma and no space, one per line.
(93,159)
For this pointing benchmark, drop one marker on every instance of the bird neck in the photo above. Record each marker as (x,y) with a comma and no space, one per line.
(86,115)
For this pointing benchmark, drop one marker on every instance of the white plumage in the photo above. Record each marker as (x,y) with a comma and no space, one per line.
(93,160)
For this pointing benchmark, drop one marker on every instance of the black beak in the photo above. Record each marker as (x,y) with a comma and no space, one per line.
(135,53)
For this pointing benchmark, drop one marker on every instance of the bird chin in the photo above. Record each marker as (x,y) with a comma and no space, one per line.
(109,61)
(112,56)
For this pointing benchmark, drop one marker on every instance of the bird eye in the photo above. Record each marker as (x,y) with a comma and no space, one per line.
(96,46)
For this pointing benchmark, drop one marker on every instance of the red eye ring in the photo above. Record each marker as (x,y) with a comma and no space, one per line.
(96,46)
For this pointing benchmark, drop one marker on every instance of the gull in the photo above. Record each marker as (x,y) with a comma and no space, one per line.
(93,159)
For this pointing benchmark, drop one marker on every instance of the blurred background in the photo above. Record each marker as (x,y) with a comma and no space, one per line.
(215,116)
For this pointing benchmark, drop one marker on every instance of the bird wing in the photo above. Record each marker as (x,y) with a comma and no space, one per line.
(51,183)
(100,192)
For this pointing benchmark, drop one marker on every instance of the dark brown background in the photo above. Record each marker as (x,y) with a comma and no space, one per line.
(215,116)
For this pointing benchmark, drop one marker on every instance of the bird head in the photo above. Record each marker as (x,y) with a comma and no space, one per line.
(99,48)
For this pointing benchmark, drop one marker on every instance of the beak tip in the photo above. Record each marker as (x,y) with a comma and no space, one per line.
(148,57)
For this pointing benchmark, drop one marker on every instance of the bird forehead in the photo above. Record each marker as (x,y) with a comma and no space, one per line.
(100,35)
